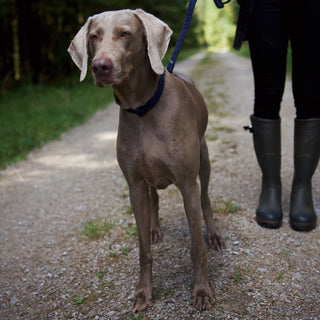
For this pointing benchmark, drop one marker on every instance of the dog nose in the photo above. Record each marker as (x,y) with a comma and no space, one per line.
(101,66)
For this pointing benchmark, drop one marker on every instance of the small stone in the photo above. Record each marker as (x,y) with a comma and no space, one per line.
(14,301)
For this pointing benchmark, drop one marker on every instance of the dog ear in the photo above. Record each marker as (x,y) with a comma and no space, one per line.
(78,49)
(158,37)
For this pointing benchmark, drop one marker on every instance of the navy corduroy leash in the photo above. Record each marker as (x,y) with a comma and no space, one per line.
(185,28)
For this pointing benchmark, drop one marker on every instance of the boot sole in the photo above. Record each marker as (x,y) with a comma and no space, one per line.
(268,223)
(299,226)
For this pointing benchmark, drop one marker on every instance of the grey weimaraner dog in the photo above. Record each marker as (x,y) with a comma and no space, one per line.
(163,146)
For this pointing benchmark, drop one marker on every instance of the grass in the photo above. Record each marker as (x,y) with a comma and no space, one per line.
(128,209)
(239,274)
(32,115)
(161,292)
(78,300)
(101,273)
(96,229)
(125,251)
(131,230)
(225,207)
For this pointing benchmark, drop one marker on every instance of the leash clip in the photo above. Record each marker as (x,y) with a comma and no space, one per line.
(248,128)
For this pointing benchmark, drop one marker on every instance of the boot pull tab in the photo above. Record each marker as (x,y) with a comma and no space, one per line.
(248,128)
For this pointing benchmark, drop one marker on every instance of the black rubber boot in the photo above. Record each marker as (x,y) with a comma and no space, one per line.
(306,158)
(267,145)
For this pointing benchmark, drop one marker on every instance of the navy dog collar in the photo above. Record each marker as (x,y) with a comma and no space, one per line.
(142,110)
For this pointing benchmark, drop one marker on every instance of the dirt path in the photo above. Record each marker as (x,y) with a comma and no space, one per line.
(48,270)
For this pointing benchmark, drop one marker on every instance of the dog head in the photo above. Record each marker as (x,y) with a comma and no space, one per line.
(118,42)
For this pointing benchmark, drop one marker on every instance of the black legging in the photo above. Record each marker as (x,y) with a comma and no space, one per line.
(274,23)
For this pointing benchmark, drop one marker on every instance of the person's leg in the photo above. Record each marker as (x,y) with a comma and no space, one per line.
(304,38)
(306,158)
(306,88)
(267,146)
(268,41)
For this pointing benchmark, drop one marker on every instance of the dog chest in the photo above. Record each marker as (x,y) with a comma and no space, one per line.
(149,158)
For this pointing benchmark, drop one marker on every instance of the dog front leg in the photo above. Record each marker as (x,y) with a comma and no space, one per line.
(202,296)
(140,201)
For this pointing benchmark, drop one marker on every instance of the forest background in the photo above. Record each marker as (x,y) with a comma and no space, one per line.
(36,33)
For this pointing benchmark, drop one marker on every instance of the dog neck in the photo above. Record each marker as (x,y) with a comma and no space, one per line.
(139,89)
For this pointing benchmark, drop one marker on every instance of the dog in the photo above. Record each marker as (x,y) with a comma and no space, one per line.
(161,141)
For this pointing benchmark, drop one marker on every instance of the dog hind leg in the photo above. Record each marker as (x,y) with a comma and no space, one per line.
(214,239)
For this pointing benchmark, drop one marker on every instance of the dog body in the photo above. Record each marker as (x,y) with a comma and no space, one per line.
(165,146)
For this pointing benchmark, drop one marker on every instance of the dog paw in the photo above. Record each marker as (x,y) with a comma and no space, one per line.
(141,301)
(155,235)
(203,299)
(215,241)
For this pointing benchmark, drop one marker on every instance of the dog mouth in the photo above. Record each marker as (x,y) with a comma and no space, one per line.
(106,73)
(113,78)
(104,81)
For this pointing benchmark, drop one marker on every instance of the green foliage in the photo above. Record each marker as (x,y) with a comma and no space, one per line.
(239,274)
(131,230)
(96,229)
(226,207)
(78,300)
(218,25)
(101,273)
(125,251)
(128,209)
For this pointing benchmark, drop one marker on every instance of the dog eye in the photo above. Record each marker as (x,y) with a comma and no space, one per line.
(93,37)
(125,34)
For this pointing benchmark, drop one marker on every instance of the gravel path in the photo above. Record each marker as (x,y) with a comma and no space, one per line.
(50,270)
